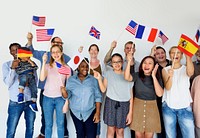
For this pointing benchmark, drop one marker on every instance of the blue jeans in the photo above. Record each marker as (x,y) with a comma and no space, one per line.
(184,117)
(85,129)
(15,111)
(30,79)
(51,104)
(42,129)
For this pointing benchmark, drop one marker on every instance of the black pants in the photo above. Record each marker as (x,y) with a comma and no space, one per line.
(85,129)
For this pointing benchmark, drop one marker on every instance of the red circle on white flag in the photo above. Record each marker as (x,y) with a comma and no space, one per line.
(76,59)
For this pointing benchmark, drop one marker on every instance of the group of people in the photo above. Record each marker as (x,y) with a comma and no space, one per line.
(149,97)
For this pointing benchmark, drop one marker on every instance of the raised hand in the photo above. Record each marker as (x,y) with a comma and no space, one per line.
(154,71)
(29,38)
(170,72)
(44,58)
(97,75)
(153,51)
(129,56)
(113,44)
(80,49)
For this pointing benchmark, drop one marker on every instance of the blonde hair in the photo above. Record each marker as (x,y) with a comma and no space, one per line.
(172,48)
(62,57)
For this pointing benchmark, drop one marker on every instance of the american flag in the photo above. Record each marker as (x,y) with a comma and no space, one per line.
(94,32)
(197,35)
(39,21)
(44,34)
(163,37)
(132,27)
(63,69)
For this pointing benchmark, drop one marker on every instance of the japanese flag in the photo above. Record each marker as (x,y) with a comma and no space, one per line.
(75,61)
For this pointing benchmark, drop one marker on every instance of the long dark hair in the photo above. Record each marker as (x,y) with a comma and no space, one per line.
(141,72)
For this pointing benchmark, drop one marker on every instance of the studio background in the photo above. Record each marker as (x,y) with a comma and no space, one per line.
(72,21)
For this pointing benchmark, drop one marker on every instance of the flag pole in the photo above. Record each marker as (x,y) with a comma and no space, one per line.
(120,35)
(31,25)
(174,58)
(48,47)
(17,53)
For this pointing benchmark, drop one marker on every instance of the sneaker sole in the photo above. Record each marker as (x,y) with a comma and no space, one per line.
(32,109)
(21,102)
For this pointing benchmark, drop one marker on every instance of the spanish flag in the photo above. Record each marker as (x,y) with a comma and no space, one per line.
(187,45)
(24,52)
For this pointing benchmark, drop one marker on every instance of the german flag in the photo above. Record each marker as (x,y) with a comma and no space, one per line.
(187,45)
(24,52)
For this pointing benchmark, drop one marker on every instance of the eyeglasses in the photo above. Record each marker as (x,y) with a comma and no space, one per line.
(56,42)
(116,62)
(56,52)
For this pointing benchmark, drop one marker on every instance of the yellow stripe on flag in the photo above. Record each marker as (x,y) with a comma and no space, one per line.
(187,45)
(24,55)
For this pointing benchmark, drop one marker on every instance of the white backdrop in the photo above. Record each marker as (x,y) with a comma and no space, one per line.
(72,21)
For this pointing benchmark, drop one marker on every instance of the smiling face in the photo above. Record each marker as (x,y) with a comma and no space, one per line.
(160,55)
(147,66)
(83,69)
(93,51)
(175,55)
(56,53)
(128,47)
(56,41)
(117,63)
(13,51)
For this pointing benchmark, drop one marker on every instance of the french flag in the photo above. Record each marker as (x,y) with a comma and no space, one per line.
(146,33)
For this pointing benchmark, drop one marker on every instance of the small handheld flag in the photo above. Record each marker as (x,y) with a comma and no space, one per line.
(94,32)
(39,21)
(197,35)
(24,52)
(163,37)
(63,69)
(132,27)
(187,45)
(44,34)
(146,33)
(75,61)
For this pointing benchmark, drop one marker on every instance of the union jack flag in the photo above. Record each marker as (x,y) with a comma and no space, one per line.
(94,32)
